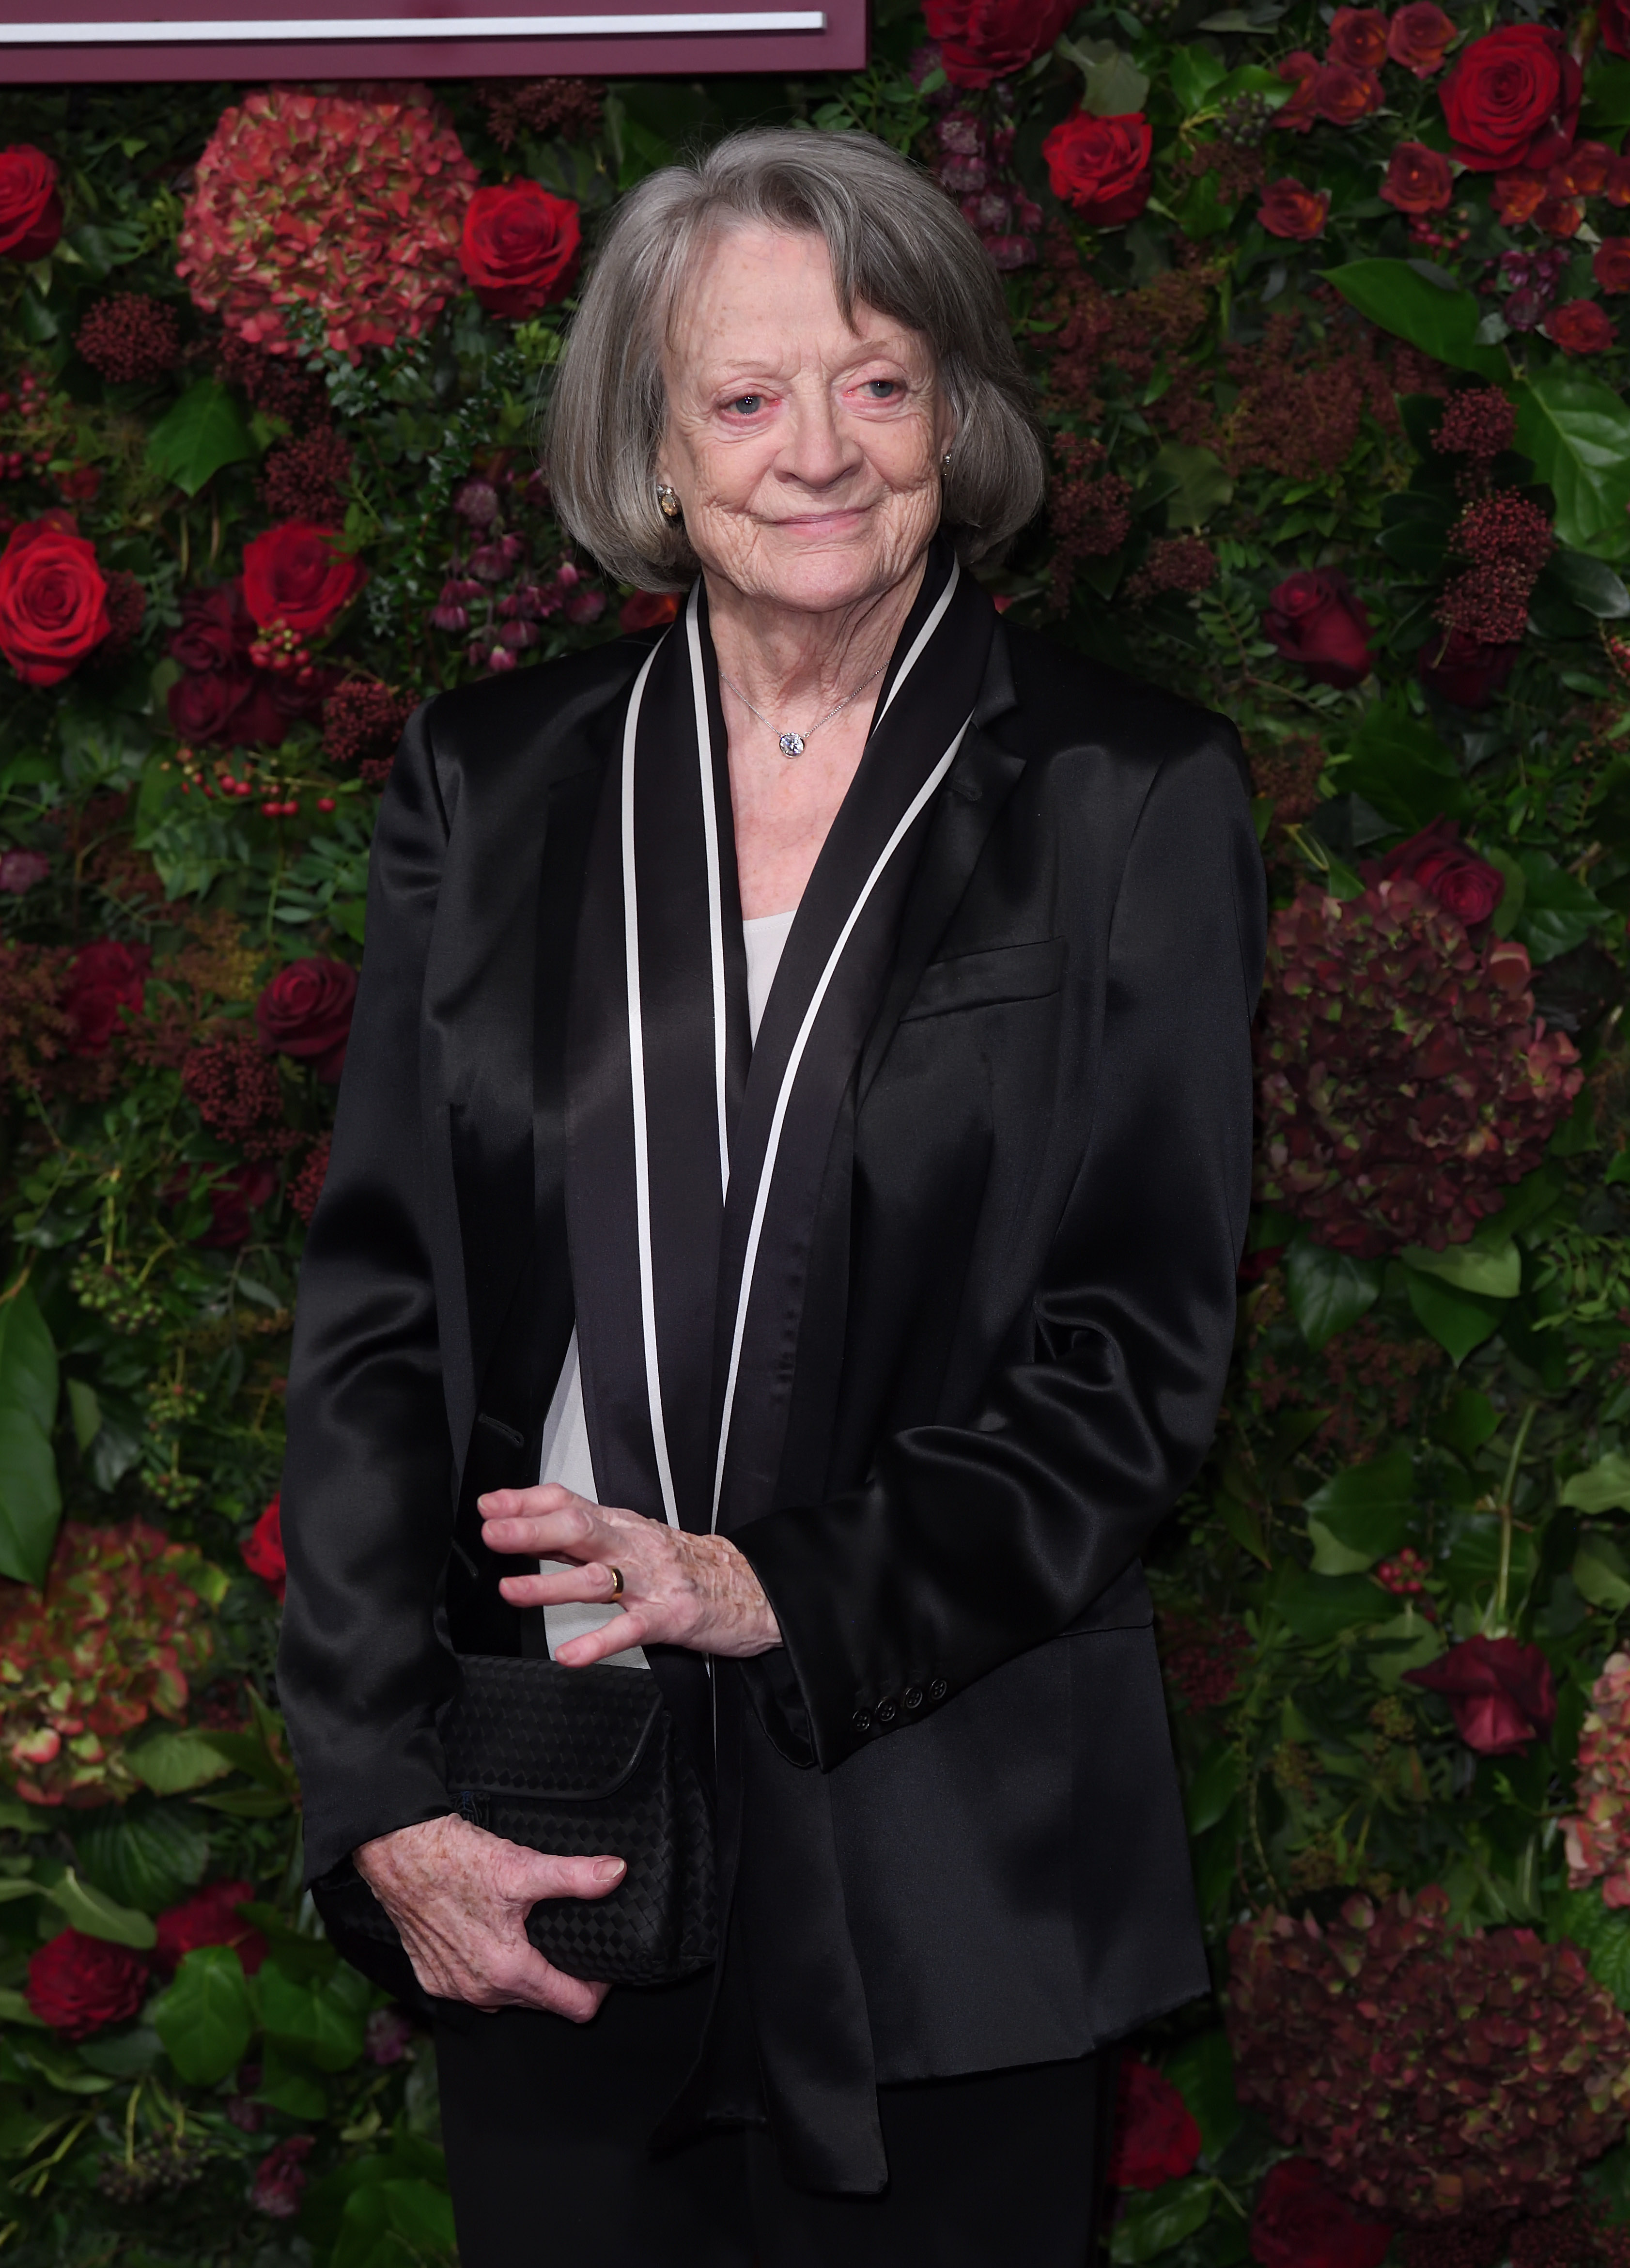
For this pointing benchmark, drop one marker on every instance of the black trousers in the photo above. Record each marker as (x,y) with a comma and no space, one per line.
(546,2124)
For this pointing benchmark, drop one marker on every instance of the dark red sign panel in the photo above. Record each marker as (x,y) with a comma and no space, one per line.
(43,40)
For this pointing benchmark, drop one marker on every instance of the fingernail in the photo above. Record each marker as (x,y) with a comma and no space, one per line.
(607,1870)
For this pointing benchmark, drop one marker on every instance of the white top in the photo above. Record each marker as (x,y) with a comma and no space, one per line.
(566,1455)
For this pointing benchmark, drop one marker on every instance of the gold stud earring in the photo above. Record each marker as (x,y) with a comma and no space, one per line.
(668,502)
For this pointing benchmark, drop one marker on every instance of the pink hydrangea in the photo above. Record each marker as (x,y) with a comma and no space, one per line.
(1598,1838)
(350,205)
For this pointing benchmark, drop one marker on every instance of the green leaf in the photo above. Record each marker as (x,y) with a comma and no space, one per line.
(1328,1291)
(1363,1514)
(1469,1420)
(1216,1782)
(31,1502)
(1607,95)
(145,1854)
(1193,73)
(1202,2071)
(1152,2221)
(203,431)
(1577,431)
(1603,1933)
(123,2055)
(1458,1321)
(1244,1523)
(1398,763)
(1603,1486)
(86,1411)
(1199,483)
(98,1915)
(313,2020)
(170,1764)
(206,2019)
(1411,1641)
(1590,584)
(1496,1272)
(1442,323)
(1318,1608)
(14,2009)
(387,2224)
(1602,1575)
(1559,910)
(290,2086)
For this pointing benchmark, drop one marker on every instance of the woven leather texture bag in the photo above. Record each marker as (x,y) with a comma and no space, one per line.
(574,1761)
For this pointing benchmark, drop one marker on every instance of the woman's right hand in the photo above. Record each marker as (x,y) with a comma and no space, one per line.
(459,1898)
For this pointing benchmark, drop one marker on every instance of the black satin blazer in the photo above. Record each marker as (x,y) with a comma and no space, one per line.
(1019,1313)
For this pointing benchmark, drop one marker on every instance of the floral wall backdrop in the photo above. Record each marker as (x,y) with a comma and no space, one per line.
(1327,311)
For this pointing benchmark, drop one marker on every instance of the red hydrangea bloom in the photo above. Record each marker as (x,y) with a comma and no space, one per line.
(79,1985)
(1300,2221)
(1420,37)
(1404,1081)
(1463,884)
(1502,1695)
(262,1548)
(1314,618)
(1419,180)
(1513,99)
(1433,2074)
(520,247)
(210,1916)
(1579,326)
(119,1631)
(1290,210)
(348,204)
(1598,1837)
(1102,167)
(31,210)
(1156,2139)
(981,41)
(298,574)
(106,981)
(1358,37)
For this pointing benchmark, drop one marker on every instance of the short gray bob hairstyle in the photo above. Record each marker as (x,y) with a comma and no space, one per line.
(897,244)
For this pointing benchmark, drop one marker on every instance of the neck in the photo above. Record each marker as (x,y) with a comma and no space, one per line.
(791,663)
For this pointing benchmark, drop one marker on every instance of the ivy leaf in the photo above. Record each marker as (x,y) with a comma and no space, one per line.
(1398,764)
(31,1502)
(1410,1641)
(1391,293)
(1328,1291)
(1151,2223)
(203,431)
(317,2021)
(1577,431)
(1601,1931)
(1215,1783)
(1469,1420)
(386,2222)
(171,1763)
(1202,2071)
(1199,484)
(1603,1486)
(206,2019)
(1601,1574)
(1559,910)
(1363,1514)
(1497,1271)
(1458,1321)
(93,1911)
(1318,1608)
(1192,73)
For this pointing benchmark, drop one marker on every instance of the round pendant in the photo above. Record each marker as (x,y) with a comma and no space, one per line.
(791,744)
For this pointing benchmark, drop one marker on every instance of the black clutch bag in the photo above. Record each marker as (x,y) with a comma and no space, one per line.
(573,1762)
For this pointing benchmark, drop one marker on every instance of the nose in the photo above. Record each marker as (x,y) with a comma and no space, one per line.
(818,452)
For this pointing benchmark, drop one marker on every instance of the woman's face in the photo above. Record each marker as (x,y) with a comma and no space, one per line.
(806,454)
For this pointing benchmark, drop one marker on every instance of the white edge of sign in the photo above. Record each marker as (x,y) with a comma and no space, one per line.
(410,28)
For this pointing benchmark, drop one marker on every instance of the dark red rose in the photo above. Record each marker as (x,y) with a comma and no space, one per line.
(1513,99)
(298,574)
(204,704)
(1156,2139)
(1419,180)
(1300,2221)
(79,1985)
(210,1916)
(984,39)
(216,630)
(1583,172)
(1358,37)
(1290,210)
(242,1190)
(1610,263)
(105,979)
(280,2178)
(1298,71)
(1613,22)
(1102,165)
(1464,670)
(521,247)
(1315,619)
(1420,37)
(31,211)
(1502,1695)
(52,599)
(1560,215)
(305,1012)
(1342,96)
(1464,884)
(1579,326)
(262,1548)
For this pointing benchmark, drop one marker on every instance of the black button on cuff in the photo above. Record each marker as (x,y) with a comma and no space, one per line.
(862,1720)
(938,1691)
(912,1696)
(886,1713)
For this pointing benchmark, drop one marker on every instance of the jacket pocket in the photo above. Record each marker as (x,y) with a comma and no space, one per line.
(980,980)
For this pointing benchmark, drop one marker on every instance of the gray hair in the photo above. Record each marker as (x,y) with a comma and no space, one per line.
(897,244)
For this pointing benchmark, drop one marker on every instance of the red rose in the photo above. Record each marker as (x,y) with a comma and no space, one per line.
(53,600)
(1301,2223)
(1579,326)
(31,211)
(1358,36)
(280,2178)
(1315,619)
(1583,172)
(262,1548)
(1419,38)
(1102,165)
(1464,670)
(216,630)
(1513,99)
(210,1916)
(521,247)
(1156,2139)
(297,574)
(985,40)
(646,608)
(1463,884)
(204,704)
(1502,1695)
(1517,197)
(105,979)
(1342,96)
(1610,263)
(1288,209)
(1613,22)
(79,1985)
(1298,71)
(242,1190)
(305,1012)
(1419,180)
(1560,215)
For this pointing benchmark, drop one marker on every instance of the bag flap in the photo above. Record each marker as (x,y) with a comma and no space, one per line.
(520,1725)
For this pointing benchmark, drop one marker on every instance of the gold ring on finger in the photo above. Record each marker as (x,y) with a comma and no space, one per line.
(615,1574)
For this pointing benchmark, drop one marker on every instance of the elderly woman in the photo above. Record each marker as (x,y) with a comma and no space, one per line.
(780,1254)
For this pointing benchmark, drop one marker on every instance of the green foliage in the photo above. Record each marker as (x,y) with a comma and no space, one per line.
(30,1499)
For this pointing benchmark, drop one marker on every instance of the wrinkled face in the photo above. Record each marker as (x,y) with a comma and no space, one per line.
(806,454)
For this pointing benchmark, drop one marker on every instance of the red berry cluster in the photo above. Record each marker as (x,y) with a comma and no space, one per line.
(130,335)
(1508,538)
(1405,1575)
(282,649)
(1477,422)
(29,403)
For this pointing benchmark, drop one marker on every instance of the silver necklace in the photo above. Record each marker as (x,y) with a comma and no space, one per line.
(794,744)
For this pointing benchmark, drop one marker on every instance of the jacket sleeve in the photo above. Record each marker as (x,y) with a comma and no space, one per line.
(967,1545)
(362,1666)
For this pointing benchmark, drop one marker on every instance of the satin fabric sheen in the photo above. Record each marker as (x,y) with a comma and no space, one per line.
(1016,1312)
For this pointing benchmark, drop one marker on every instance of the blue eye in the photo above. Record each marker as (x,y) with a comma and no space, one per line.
(881,389)
(746,404)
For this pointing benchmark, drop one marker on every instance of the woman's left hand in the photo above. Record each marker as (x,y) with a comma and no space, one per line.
(695,1591)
